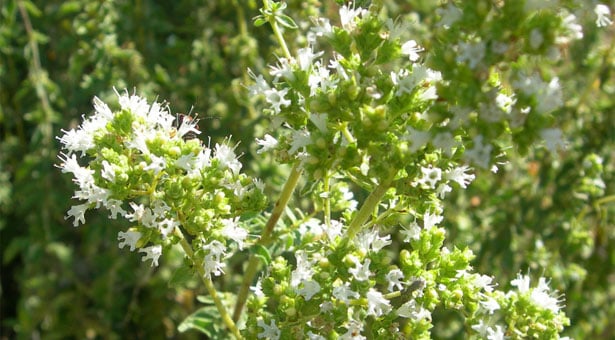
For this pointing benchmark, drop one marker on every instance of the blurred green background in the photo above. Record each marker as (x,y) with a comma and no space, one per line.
(550,214)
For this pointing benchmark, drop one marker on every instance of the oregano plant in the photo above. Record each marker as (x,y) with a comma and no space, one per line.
(378,127)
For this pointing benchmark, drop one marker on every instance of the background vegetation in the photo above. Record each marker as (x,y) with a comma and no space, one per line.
(551,215)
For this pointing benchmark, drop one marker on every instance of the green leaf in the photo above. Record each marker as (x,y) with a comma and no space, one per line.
(262,253)
(32,9)
(70,7)
(181,277)
(14,248)
(203,320)
(259,21)
(286,21)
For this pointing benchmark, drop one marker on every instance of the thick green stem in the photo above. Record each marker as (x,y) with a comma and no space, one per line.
(367,209)
(230,324)
(278,209)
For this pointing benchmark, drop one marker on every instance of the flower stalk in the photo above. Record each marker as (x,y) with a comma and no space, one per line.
(265,239)
(224,315)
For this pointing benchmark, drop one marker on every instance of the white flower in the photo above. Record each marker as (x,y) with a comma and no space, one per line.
(282,70)
(480,154)
(417,138)
(334,229)
(115,208)
(167,226)
(158,164)
(306,56)
(277,99)
(84,177)
(344,293)
(300,139)
(233,231)
(431,176)
(186,162)
(226,156)
(483,282)
(370,241)
(321,27)
(603,14)
(411,310)
(361,271)
(304,270)
(348,15)
(448,15)
(550,97)
(443,189)
(411,49)
(411,232)
(160,208)
(489,304)
(495,334)
(430,220)
(78,212)
(188,125)
(471,53)
(102,109)
(151,253)
(522,282)
(260,84)
(310,288)
(258,289)
(320,121)
(320,78)
(312,336)
(203,159)
(354,331)
(505,102)
(107,172)
(377,304)
(553,139)
(572,30)
(133,103)
(395,278)
(270,331)
(338,67)
(541,296)
(129,238)
(212,263)
(83,138)
(459,175)
(446,142)
(481,327)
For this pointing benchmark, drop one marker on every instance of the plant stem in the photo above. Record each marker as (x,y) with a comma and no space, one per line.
(327,198)
(276,213)
(230,324)
(367,209)
(277,33)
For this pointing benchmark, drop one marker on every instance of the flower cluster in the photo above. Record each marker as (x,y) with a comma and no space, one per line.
(358,109)
(536,311)
(142,166)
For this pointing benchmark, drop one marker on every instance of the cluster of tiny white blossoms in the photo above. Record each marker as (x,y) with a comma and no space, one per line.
(524,301)
(141,166)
